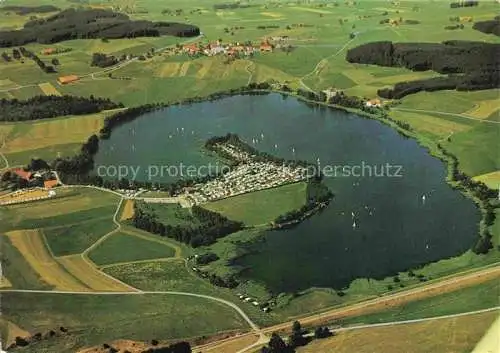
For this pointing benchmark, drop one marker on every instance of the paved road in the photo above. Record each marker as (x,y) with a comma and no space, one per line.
(463,116)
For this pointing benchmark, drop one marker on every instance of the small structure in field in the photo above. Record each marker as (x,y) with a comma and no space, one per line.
(67,79)
(48,51)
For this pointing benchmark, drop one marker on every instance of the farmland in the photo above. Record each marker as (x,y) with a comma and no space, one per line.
(123,247)
(459,334)
(96,319)
(71,243)
(261,207)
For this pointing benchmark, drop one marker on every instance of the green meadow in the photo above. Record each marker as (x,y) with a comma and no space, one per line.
(122,247)
(261,207)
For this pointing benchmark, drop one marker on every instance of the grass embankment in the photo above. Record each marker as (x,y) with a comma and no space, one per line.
(459,301)
(261,207)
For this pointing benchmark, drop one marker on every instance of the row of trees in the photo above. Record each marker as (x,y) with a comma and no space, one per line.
(91,23)
(464,3)
(487,202)
(30,55)
(26,10)
(318,195)
(103,60)
(298,338)
(208,227)
(259,156)
(179,347)
(45,107)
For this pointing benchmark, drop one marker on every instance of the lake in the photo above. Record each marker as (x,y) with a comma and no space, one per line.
(402,220)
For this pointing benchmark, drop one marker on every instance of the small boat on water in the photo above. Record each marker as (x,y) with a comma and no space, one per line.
(354,224)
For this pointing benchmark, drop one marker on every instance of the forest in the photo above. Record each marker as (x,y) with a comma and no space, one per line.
(488,27)
(26,10)
(94,23)
(45,107)
(469,65)
(209,226)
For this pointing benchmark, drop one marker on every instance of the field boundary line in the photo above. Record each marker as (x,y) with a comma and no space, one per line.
(324,60)
(177,249)
(160,259)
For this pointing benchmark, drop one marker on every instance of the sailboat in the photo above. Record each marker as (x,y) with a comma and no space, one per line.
(275,146)
(353,215)
(354,224)
(423,198)
(262,136)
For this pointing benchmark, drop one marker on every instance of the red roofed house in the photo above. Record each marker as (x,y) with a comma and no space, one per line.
(48,51)
(191,49)
(266,47)
(48,184)
(23,174)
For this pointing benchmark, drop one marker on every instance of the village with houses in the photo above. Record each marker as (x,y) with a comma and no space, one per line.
(33,186)
(230,50)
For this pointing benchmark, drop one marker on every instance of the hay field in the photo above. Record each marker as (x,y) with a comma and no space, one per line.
(128,210)
(10,331)
(168,69)
(184,69)
(491,179)
(23,195)
(48,89)
(31,245)
(35,135)
(77,266)
(4,282)
(72,200)
(458,334)
(484,109)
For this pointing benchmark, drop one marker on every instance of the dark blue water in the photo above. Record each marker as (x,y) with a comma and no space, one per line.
(395,229)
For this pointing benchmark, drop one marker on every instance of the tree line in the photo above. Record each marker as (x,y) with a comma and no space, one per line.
(91,23)
(45,107)
(299,337)
(464,3)
(488,27)
(258,156)
(209,226)
(103,60)
(317,196)
(26,10)
(487,202)
(470,65)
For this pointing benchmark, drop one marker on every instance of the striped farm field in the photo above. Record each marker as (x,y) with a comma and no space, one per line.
(491,179)
(484,109)
(184,69)
(82,269)
(128,210)
(205,68)
(31,245)
(168,70)
(48,89)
